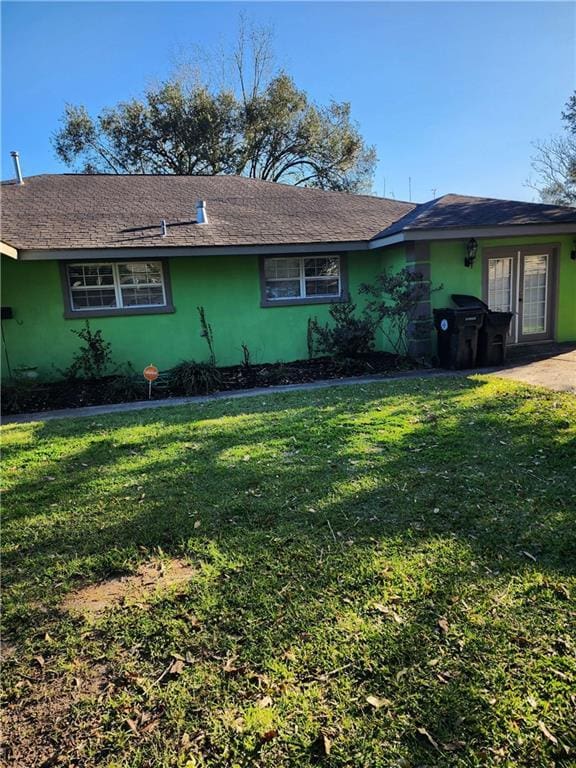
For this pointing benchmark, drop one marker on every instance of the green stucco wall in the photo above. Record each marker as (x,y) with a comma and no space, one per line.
(227,287)
(448,270)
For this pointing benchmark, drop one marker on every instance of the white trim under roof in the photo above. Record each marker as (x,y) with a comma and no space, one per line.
(8,250)
(204,250)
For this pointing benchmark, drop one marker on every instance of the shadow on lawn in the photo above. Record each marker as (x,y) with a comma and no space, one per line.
(309,516)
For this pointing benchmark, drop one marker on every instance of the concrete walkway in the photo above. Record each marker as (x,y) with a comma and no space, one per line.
(557,372)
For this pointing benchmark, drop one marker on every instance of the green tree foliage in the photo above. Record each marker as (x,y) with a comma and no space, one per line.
(393,304)
(260,125)
(93,358)
(555,162)
(349,335)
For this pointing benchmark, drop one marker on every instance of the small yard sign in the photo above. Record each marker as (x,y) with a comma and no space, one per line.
(150,374)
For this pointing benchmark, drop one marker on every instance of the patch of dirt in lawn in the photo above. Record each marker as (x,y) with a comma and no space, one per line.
(38,717)
(149,579)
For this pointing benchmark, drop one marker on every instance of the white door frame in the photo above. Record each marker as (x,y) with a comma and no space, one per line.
(518,255)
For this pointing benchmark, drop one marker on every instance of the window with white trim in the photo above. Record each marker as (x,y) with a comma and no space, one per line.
(301,277)
(116,285)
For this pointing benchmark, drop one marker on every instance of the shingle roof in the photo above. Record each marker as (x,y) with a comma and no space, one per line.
(459,211)
(69,211)
(110,211)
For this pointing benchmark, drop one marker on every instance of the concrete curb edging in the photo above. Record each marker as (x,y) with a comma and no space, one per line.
(141,405)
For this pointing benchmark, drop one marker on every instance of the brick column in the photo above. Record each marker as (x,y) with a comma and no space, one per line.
(420,329)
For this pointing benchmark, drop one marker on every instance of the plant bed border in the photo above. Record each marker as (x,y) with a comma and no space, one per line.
(43,396)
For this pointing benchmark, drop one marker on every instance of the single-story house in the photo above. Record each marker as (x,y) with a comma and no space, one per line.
(137,255)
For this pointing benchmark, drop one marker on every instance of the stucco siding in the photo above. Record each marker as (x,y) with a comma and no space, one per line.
(228,288)
(448,270)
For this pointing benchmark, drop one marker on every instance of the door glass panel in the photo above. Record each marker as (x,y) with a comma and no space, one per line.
(500,284)
(534,294)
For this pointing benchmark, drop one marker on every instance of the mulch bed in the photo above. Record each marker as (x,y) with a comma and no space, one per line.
(24,396)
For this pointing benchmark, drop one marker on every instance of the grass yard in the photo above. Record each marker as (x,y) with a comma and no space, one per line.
(379,576)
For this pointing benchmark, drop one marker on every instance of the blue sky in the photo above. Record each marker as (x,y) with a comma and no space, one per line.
(451,94)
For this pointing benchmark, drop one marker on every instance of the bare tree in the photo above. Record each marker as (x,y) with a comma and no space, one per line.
(554,162)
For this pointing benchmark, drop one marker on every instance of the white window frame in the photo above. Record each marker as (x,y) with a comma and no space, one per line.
(117,287)
(304,297)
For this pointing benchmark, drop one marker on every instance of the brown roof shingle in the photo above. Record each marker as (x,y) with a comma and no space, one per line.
(101,211)
(459,211)
(71,211)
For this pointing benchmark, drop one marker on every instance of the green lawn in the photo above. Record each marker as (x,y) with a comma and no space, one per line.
(409,541)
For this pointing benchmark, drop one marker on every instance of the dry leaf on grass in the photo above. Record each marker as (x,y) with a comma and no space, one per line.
(132,725)
(387,611)
(229,665)
(453,746)
(177,667)
(443,625)
(547,733)
(377,702)
(424,732)
(269,735)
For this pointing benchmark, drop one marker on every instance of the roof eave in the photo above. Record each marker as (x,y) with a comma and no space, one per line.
(461,233)
(453,233)
(67,254)
(8,250)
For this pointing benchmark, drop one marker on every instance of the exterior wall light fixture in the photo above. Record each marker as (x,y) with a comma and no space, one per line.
(471,251)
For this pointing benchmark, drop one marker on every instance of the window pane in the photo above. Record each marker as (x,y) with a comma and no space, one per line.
(500,284)
(322,287)
(322,266)
(93,298)
(94,286)
(135,273)
(142,296)
(279,268)
(282,289)
(90,275)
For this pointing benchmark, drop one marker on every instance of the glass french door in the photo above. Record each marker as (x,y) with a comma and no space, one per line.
(522,281)
(535,273)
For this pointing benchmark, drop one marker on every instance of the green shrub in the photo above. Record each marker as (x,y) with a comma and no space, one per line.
(93,358)
(393,304)
(192,378)
(349,335)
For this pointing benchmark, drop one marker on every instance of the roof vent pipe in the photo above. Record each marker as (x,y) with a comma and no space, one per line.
(201,215)
(16,159)
(163,227)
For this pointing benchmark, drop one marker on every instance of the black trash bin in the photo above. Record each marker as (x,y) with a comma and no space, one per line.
(458,336)
(493,336)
